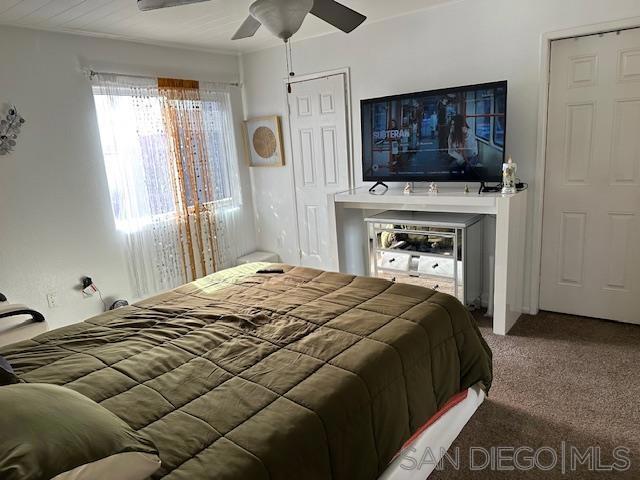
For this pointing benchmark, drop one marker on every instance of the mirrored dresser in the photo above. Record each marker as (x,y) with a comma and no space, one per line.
(441,251)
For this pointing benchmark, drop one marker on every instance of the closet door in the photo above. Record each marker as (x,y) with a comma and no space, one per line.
(591,220)
(318,122)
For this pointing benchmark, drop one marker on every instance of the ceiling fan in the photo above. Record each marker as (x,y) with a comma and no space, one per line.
(283,18)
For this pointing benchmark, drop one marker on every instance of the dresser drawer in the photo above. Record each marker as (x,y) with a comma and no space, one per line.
(393,260)
(443,285)
(442,267)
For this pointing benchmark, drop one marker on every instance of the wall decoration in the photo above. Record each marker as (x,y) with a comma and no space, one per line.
(264,141)
(9,130)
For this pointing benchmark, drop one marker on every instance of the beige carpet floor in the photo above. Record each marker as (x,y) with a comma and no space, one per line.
(557,378)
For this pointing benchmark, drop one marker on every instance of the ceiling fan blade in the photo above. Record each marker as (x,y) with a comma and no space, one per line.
(338,15)
(248,28)
(146,5)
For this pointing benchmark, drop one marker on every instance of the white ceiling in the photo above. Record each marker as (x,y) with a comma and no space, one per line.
(207,25)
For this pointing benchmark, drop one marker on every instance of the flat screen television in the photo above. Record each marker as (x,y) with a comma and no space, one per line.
(448,135)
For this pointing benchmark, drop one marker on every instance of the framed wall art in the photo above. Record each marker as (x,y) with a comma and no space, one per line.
(263,137)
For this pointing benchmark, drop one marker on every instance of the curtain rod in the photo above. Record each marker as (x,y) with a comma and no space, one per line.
(92,73)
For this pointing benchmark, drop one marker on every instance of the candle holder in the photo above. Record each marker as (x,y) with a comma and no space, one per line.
(509,170)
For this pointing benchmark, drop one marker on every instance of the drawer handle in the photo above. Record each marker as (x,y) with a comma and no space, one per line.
(392,260)
(435,265)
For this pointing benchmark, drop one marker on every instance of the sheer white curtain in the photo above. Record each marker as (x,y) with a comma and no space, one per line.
(171,165)
(218,118)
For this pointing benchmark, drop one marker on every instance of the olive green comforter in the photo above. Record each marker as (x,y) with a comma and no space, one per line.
(300,375)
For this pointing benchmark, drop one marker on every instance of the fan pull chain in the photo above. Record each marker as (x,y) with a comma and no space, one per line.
(289,56)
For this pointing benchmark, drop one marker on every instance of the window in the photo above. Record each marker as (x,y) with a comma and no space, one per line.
(172,168)
(123,137)
(139,143)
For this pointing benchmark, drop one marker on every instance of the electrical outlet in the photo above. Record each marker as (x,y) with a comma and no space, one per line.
(52,300)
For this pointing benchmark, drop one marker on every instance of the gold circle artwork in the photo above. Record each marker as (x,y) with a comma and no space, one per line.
(264,142)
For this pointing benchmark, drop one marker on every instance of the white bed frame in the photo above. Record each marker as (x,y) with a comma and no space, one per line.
(438,437)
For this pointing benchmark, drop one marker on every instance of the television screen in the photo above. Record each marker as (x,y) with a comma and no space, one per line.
(449,135)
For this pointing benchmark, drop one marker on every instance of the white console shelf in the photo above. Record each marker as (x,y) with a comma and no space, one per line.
(348,210)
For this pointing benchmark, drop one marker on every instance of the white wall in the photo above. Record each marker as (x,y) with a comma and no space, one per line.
(55,216)
(460,43)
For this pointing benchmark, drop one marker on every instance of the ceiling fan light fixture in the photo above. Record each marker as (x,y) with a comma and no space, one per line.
(282,18)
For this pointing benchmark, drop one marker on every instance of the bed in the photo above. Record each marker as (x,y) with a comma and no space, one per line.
(294,373)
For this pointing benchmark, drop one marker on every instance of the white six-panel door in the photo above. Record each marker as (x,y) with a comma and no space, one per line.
(591,220)
(318,121)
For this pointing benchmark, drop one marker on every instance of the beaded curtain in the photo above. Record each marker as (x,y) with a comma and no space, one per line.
(171,165)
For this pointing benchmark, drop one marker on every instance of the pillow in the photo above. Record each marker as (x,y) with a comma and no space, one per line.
(53,432)
(7,377)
